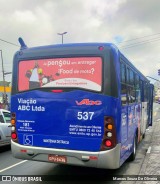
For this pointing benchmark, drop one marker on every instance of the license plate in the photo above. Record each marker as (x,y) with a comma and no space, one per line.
(57,158)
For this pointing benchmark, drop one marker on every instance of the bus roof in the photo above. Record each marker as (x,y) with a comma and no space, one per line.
(71,45)
(89,44)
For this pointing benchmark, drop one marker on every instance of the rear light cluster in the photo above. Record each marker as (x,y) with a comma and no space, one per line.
(13,130)
(109,137)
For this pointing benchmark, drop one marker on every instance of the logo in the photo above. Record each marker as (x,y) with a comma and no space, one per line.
(28,140)
(89,102)
(6,178)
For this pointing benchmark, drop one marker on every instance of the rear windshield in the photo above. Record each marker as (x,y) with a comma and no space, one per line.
(7,116)
(77,72)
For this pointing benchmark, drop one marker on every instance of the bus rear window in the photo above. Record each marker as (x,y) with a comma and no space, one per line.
(78,72)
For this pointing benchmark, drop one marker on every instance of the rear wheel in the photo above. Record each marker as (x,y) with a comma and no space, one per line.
(133,155)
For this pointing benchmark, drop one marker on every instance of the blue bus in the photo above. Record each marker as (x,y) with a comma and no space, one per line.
(81,104)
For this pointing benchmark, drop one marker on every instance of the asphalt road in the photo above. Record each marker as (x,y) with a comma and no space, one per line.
(12,166)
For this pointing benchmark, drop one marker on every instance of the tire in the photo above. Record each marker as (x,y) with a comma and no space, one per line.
(133,154)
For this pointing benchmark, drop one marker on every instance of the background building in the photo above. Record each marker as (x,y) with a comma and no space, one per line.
(5,101)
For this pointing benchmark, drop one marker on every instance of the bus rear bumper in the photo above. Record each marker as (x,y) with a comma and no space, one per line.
(109,159)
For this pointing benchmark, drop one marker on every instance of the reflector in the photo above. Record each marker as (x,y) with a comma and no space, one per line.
(57,91)
(93,158)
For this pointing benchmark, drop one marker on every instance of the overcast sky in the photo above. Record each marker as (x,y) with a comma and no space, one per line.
(133,25)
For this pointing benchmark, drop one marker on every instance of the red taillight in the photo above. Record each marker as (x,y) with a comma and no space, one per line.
(109,137)
(13,130)
(14,135)
(13,115)
(108,143)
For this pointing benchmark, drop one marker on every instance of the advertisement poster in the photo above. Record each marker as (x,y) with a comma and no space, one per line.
(78,72)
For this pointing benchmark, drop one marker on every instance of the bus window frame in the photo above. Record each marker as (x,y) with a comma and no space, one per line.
(64,88)
(128,68)
(107,55)
(123,82)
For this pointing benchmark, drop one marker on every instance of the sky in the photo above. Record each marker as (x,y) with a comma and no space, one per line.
(132,25)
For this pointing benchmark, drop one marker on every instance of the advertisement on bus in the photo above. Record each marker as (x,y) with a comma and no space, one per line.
(81,72)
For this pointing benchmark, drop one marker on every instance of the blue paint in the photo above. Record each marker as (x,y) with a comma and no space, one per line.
(59,119)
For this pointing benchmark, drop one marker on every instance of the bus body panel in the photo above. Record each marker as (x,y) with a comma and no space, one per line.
(130,124)
(150,110)
(66,121)
(144,122)
(109,159)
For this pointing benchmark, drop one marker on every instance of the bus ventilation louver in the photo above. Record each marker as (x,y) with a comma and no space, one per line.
(13,131)
(109,137)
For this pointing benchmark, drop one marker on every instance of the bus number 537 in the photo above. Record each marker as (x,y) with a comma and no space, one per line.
(85,115)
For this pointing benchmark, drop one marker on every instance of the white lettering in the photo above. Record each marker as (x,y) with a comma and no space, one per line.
(59,62)
(23,108)
(55,141)
(38,108)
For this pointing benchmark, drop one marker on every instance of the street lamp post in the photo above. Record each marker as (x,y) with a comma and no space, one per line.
(3,73)
(61,34)
(4,82)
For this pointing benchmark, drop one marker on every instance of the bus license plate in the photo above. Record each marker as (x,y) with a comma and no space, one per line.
(57,158)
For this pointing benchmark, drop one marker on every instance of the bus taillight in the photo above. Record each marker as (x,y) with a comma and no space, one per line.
(109,134)
(109,137)
(13,118)
(13,130)
(108,143)
(109,126)
(13,135)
